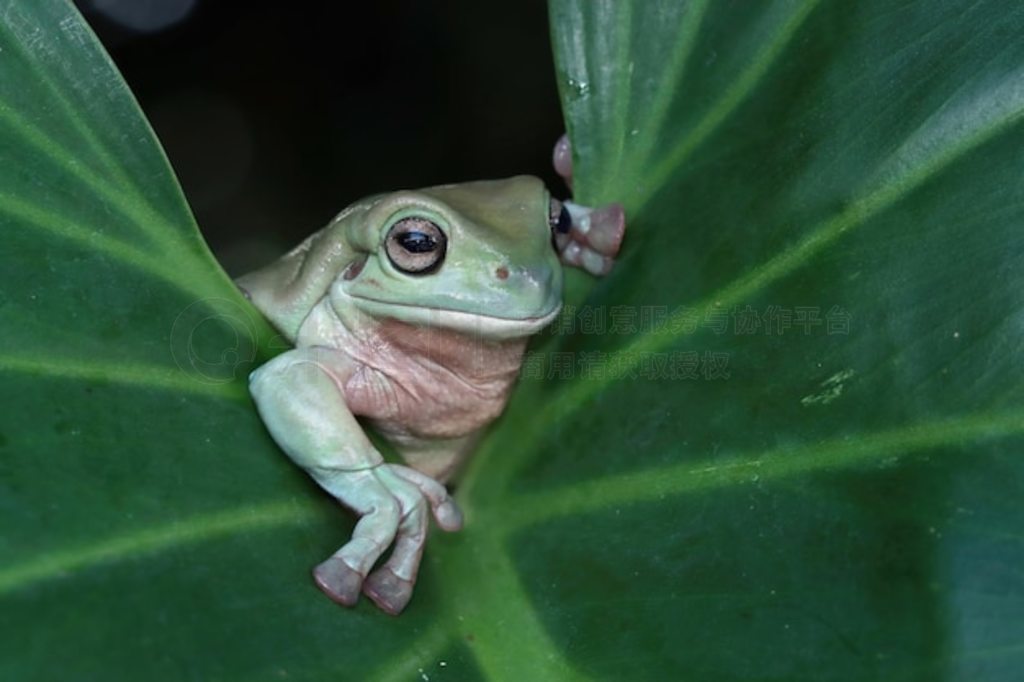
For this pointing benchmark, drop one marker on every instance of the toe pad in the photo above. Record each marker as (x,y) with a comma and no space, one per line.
(338,581)
(388,591)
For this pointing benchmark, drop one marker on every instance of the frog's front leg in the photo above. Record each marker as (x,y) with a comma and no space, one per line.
(586,238)
(300,396)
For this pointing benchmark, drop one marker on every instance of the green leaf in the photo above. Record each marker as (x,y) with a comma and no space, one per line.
(846,504)
(813,473)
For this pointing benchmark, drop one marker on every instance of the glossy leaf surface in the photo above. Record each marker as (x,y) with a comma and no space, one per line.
(781,441)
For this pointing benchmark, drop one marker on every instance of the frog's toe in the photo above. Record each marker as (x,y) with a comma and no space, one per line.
(561,158)
(339,581)
(388,591)
(594,238)
(607,227)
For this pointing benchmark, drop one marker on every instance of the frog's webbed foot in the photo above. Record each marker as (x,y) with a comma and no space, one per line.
(393,503)
(593,236)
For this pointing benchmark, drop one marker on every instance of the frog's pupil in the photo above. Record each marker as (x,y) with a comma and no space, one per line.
(417,242)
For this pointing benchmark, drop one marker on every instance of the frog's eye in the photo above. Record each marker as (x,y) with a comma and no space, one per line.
(559,219)
(416,245)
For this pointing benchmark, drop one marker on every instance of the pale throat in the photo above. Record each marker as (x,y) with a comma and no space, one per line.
(477,360)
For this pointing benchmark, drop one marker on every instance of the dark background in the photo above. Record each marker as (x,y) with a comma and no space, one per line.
(275,116)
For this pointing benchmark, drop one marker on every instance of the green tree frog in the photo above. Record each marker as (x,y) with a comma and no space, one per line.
(412,310)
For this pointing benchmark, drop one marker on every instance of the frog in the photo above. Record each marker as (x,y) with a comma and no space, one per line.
(410,313)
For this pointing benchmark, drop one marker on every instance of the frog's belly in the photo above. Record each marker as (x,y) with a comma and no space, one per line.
(433,426)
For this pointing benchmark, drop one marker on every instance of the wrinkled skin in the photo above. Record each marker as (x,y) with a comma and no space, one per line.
(412,310)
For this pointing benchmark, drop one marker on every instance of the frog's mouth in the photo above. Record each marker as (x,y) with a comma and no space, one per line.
(488,326)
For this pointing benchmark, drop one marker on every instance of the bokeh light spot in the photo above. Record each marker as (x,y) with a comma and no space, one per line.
(145,16)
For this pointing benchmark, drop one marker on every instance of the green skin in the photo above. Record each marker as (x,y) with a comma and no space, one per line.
(427,358)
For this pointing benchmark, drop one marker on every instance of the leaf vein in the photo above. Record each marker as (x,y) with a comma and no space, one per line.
(736,93)
(32,215)
(138,375)
(688,477)
(144,218)
(131,545)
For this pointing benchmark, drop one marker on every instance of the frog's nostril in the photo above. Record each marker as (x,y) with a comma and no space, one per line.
(501,273)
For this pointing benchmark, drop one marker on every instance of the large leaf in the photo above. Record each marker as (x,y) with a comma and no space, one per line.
(846,504)
(840,503)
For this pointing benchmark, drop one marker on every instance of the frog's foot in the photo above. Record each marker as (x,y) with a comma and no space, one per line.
(338,581)
(594,237)
(561,158)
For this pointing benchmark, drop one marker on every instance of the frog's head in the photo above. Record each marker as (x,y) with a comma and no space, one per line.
(474,257)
